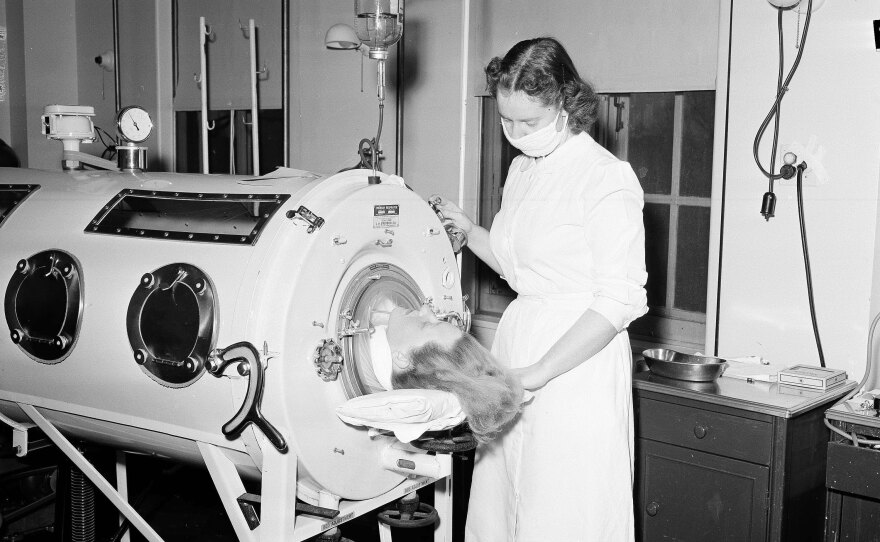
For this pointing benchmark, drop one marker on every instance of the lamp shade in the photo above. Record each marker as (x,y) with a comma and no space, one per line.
(341,36)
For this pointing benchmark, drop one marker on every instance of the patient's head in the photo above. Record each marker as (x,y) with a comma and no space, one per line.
(432,354)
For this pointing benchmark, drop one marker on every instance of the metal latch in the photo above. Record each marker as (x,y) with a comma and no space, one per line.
(19,435)
(315,222)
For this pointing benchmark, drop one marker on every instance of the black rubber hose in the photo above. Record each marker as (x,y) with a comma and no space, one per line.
(800,202)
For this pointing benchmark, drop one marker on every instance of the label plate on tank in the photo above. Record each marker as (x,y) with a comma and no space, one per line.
(386,216)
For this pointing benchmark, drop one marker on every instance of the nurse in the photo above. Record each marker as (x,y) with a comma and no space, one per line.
(569,240)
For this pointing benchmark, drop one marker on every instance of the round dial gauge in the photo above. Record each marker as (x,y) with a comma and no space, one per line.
(134,124)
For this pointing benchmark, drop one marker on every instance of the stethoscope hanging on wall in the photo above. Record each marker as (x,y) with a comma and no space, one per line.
(768,204)
(790,168)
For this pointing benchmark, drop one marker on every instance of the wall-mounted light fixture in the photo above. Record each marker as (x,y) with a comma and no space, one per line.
(343,37)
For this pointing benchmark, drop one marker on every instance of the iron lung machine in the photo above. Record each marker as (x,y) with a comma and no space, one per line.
(217,320)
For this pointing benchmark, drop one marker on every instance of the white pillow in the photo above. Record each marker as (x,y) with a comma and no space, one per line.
(407,413)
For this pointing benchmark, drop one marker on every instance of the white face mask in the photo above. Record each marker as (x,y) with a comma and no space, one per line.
(540,142)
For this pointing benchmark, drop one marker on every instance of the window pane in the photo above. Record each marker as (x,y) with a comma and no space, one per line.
(189,142)
(698,113)
(651,119)
(656,251)
(691,259)
(492,292)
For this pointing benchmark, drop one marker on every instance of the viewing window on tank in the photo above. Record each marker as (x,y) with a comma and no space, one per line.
(11,196)
(185,216)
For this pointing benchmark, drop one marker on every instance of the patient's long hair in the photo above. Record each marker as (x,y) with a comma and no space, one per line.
(490,395)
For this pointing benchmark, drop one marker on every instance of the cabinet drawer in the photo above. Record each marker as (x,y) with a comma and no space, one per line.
(713,432)
(853,470)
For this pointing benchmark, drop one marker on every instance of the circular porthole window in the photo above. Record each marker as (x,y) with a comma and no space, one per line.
(376,287)
(172,323)
(44,305)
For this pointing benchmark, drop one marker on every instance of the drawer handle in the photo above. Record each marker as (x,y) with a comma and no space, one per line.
(700,430)
(652,508)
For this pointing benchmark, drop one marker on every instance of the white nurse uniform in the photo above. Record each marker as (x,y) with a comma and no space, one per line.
(569,237)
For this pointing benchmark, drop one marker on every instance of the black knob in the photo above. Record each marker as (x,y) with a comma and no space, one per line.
(148,280)
(652,508)
(700,430)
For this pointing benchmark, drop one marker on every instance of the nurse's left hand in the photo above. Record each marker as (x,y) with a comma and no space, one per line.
(532,377)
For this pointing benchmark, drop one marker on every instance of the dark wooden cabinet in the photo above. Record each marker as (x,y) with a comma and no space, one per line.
(853,478)
(729,461)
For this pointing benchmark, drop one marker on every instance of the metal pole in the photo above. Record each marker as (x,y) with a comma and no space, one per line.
(285,78)
(116,63)
(398,143)
(203,81)
(255,107)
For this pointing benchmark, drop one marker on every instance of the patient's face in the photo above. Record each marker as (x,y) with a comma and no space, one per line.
(409,329)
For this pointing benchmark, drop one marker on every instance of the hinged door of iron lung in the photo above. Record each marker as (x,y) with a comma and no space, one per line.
(376,242)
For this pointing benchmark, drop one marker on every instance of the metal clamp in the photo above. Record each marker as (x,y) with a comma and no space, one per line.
(247,358)
(19,434)
(457,236)
(314,221)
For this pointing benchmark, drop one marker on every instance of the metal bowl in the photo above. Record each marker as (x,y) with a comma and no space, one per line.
(672,364)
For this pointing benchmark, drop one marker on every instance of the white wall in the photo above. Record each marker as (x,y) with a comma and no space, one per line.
(834,98)
(432,97)
(619,46)
(94,84)
(49,44)
(329,114)
(13,112)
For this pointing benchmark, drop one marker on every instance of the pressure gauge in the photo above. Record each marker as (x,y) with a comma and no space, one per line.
(134,124)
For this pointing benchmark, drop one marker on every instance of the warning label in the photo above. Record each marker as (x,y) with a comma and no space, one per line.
(386,216)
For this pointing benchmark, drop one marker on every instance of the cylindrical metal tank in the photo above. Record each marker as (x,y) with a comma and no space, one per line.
(120,285)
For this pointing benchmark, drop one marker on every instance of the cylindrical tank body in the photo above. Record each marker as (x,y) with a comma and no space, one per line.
(120,284)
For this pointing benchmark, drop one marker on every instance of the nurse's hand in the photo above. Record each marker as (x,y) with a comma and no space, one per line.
(451,212)
(532,377)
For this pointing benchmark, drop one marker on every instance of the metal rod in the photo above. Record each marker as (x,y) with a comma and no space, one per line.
(398,141)
(116,63)
(83,464)
(203,82)
(255,106)
(285,78)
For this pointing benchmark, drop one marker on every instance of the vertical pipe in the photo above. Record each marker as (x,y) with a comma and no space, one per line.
(255,107)
(203,82)
(116,64)
(285,78)
(398,148)
(465,51)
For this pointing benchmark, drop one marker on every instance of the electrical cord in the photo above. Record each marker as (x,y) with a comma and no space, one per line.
(809,274)
(868,359)
(109,149)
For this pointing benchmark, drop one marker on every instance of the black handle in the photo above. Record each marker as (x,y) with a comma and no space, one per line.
(248,358)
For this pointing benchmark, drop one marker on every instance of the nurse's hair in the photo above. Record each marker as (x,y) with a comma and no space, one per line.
(542,69)
(490,395)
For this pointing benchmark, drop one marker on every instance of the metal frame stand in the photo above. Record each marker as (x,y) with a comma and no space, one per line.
(277,519)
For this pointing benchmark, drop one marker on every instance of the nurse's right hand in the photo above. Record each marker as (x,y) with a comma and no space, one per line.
(451,212)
